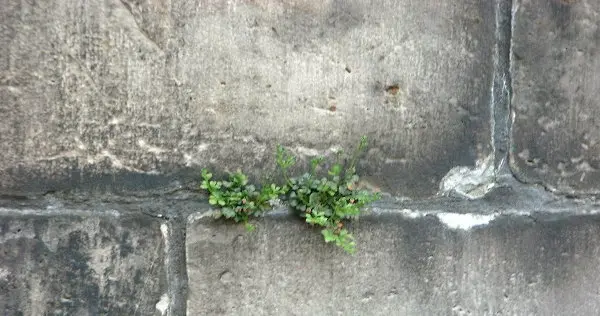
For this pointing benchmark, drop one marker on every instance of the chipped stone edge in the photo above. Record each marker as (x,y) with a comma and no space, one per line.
(470,183)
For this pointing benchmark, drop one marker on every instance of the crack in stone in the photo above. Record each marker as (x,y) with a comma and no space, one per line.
(139,27)
(502,86)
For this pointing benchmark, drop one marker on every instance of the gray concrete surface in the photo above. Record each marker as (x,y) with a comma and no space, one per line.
(81,265)
(555,69)
(149,87)
(406,264)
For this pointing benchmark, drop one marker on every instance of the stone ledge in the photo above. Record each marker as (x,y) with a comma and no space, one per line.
(406,264)
(58,264)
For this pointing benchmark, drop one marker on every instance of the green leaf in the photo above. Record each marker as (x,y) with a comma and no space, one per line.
(313,199)
(228,212)
(335,170)
(328,235)
(363,142)
(314,163)
(284,160)
(226,184)
(249,227)
(204,185)
(206,175)
(349,247)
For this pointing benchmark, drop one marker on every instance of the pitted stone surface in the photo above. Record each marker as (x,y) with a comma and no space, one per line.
(403,266)
(556,88)
(151,87)
(72,265)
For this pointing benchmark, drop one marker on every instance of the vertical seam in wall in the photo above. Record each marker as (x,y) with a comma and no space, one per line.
(175,263)
(501,86)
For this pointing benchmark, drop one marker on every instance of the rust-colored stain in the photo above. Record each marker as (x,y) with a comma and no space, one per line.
(393,89)
(333,108)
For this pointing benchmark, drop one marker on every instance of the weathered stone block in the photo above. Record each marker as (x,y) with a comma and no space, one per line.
(73,265)
(556,70)
(404,266)
(148,87)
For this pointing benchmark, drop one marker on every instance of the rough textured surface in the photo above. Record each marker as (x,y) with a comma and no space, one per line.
(74,265)
(149,87)
(134,96)
(556,62)
(514,266)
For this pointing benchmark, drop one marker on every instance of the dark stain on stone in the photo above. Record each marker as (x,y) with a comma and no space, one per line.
(4,227)
(415,243)
(125,248)
(344,16)
(75,253)
(40,226)
(66,273)
(137,279)
(106,229)
(561,13)
(42,178)
(40,252)
(545,250)
(77,276)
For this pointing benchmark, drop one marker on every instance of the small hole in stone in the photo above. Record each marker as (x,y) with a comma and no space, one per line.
(393,89)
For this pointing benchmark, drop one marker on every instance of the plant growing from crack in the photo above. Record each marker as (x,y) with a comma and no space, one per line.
(328,201)
(236,199)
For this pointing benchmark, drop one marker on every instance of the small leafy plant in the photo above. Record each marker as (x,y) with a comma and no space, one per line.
(330,200)
(238,200)
(327,200)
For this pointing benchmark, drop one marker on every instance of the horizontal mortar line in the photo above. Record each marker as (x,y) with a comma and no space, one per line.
(408,209)
(452,219)
(4,211)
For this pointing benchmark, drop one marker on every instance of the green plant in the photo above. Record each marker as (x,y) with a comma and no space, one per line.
(330,200)
(238,200)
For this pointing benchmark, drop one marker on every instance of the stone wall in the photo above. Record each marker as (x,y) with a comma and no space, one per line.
(483,134)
